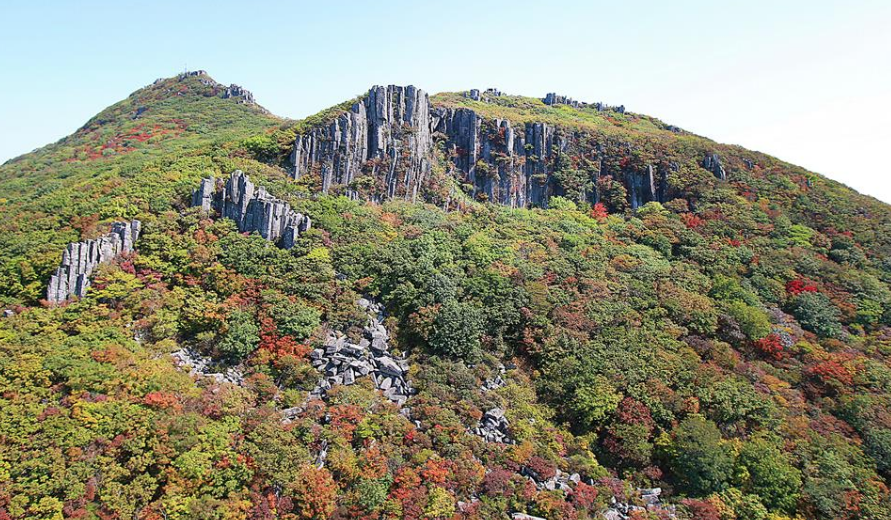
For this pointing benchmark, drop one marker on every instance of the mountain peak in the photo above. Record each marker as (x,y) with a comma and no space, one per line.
(197,82)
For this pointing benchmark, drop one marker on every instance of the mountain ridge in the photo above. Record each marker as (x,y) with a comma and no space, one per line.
(455,307)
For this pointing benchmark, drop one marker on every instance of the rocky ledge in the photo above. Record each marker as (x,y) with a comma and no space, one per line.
(252,208)
(72,277)
(204,366)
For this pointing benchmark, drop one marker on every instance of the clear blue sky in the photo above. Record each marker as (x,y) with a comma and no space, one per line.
(807,81)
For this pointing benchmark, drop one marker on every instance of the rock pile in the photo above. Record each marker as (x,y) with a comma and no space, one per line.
(494,383)
(493,427)
(561,481)
(524,516)
(344,362)
(619,510)
(204,366)
(712,163)
(252,209)
(79,260)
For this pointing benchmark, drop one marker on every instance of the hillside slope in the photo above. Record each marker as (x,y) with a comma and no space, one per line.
(502,305)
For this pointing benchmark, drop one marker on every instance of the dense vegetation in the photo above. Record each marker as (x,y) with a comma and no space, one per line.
(731,346)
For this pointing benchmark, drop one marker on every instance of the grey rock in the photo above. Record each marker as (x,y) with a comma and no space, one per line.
(252,209)
(80,259)
(242,95)
(524,516)
(386,133)
(712,163)
(387,366)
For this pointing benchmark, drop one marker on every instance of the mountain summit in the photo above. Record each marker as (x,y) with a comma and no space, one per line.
(470,305)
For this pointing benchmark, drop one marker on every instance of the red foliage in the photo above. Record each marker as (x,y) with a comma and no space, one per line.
(770,346)
(692,221)
(632,411)
(345,418)
(279,345)
(498,482)
(161,400)
(796,287)
(583,496)
(701,509)
(599,212)
(832,371)
(435,471)
(314,493)
(544,468)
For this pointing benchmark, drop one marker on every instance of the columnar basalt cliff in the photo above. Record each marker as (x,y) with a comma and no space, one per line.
(510,166)
(252,208)
(80,259)
(390,138)
(385,135)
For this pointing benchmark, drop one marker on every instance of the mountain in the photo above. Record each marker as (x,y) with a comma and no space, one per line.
(467,305)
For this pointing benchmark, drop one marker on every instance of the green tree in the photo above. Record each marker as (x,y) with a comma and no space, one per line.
(456,331)
(769,473)
(241,338)
(702,463)
(816,313)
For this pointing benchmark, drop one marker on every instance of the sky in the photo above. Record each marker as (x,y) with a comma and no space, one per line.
(806,81)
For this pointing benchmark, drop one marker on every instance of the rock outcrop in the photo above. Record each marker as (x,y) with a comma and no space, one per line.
(386,136)
(240,94)
(385,146)
(252,209)
(204,366)
(72,277)
(712,163)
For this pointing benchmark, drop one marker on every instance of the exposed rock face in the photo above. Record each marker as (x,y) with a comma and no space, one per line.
(241,94)
(72,278)
(712,163)
(386,135)
(557,99)
(383,147)
(510,166)
(252,209)
(620,510)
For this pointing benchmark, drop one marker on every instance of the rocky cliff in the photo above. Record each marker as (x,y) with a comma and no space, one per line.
(252,208)
(390,139)
(72,277)
(386,136)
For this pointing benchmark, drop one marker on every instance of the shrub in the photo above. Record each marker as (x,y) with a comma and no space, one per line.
(815,312)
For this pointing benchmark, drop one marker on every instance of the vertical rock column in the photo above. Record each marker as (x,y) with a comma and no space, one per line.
(72,277)
(386,135)
(252,209)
